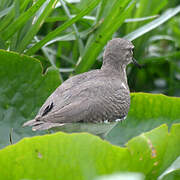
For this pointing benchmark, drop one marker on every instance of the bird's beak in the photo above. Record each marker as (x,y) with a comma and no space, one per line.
(136,63)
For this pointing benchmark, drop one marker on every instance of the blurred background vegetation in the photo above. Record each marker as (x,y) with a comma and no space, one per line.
(70,35)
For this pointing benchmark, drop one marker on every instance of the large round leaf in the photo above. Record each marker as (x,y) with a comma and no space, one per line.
(147,112)
(23,89)
(84,156)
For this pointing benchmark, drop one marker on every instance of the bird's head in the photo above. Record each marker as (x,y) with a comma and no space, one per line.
(118,52)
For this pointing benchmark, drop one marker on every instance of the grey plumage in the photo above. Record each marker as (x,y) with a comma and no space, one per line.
(91,98)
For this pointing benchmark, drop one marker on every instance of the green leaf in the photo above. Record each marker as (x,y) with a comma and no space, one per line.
(140,19)
(111,23)
(36,26)
(171,56)
(7,20)
(153,24)
(174,167)
(21,20)
(61,28)
(145,8)
(6,11)
(147,112)
(84,156)
(76,31)
(69,37)
(23,90)
(122,176)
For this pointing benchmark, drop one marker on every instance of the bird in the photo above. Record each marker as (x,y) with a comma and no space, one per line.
(93,101)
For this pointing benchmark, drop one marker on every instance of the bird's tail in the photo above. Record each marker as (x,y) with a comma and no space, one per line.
(41,125)
(45,126)
(32,122)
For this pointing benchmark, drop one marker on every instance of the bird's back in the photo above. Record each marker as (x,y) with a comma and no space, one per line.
(95,97)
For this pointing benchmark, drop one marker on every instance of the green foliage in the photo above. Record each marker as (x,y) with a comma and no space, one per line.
(72,35)
(83,156)
(23,90)
(68,37)
(104,33)
(57,31)
(172,172)
(147,112)
(27,89)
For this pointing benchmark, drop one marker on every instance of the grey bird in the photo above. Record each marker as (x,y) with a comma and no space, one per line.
(93,101)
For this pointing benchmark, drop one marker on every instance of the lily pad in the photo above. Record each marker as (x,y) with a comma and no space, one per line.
(84,156)
(23,89)
(147,111)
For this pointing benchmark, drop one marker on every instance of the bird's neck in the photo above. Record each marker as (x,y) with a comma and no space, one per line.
(117,70)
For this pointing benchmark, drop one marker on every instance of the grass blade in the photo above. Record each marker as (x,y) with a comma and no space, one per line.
(153,24)
(140,19)
(21,20)
(35,27)
(80,43)
(6,11)
(7,20)
(58,30)
(145,8)
(111,23)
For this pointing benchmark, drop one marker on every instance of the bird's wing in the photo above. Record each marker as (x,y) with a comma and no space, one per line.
(91,102)
(77,80)
(77,111)
(63,93)
(73,112)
